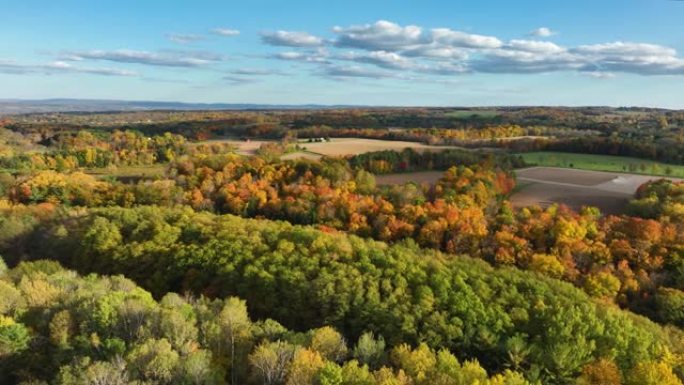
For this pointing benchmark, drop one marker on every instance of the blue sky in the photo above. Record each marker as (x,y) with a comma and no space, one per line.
(427,52)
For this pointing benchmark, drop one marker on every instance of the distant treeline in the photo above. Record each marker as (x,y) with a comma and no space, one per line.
(668,150)
(382,162)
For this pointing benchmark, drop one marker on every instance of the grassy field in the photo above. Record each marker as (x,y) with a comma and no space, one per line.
(603,163)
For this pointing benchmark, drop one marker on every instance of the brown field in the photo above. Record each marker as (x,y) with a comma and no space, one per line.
(243,147)
(335,147)
(544,186)
(301,155)
(544,195)
(560,175)
(355,146)
(608,191)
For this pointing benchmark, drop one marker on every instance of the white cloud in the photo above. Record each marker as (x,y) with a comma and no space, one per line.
(542,32)
(163,59)
(225,32)
(620,48)
(319,56)
(60,67)
(535,46)
(465,40)
(437,51)
(445,69)
(184,38)
(355,72)
(517,61)
(384,59)
(382,35)
(639,58)
(291,39)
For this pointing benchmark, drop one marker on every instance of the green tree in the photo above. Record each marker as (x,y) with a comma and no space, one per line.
(236,327)
(330,374)
(154,360)
(14,337)
(369,350)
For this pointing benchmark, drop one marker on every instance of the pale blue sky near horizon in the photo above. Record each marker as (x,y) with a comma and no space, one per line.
(422,53)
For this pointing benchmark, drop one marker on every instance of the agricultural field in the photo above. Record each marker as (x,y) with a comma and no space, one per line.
(355,146)
(243,147)
(334,147)
(603,163)
(301,155)
(544,186)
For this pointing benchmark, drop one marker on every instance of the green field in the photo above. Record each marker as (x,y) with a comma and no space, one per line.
(603,163)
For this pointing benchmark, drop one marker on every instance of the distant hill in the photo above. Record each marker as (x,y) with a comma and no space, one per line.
(19,106)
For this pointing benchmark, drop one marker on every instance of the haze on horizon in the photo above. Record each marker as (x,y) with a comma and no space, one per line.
(442,53)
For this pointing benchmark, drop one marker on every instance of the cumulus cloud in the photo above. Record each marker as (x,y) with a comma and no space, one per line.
(542,32)
(518,61)
(445,69)
(291,39)
(225,32)
(184,38)
(319,56)
(59,67)
(163,59)
(412,40)
(386,49)
(535,46)
(466,40)
(436,51)
(638,58)
(620,48)
(384,59)
(382,35)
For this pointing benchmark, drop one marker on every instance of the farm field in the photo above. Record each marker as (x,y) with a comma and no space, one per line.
(335,147)
(545,186)
(611,163)
(301,155)
(242,147)
(355,146)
